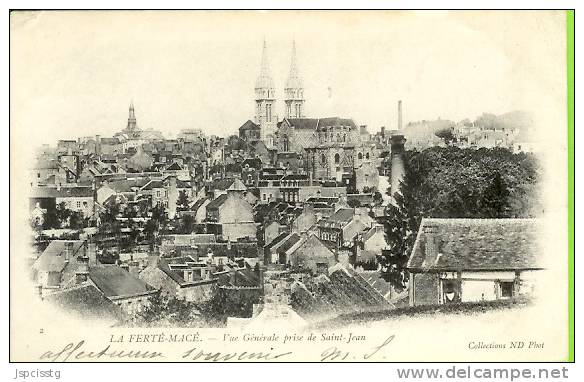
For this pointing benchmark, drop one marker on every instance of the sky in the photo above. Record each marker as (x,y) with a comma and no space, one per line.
(75,73)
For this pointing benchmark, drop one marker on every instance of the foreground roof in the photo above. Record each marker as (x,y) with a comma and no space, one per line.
(476,244)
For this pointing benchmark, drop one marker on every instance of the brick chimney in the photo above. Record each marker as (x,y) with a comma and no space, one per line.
(82,272)
(399,115)
(431,254)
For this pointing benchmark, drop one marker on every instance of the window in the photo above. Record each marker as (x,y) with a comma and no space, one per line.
(450,291)
(323,158)
(39,174)
(337,158)
(78,204)
(367,156)
(506,289)
(360,156)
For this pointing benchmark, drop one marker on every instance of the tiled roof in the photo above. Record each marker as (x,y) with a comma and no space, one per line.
(476,244)
(114,281)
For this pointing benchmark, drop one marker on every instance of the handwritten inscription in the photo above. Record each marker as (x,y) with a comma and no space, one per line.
(277,348)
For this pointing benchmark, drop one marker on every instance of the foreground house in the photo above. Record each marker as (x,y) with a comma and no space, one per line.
(465,260)
(180,279)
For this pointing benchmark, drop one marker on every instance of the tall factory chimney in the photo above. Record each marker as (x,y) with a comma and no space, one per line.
(399,115)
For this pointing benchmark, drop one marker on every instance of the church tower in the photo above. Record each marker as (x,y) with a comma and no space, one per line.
(265,97)
(131,128)
(294,90)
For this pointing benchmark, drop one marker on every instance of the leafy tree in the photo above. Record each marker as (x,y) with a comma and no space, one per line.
(456,183)
(77,220)
(187,224)
(353,203)
(495,197)
(62,214)
(182,202)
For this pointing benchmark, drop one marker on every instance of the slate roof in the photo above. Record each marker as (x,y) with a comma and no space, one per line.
(336,122)
(43,192)
(196,205)
(476,244)
(109,141)
(75,192)
(53,257)
(249,125)
(114,281)
(288,242)
(85,300)
(303,123)
(216,203)
(343,291)
(341,216)
(252,162)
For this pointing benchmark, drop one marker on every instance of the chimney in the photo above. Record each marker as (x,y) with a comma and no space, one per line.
(153,260)
(172,197)
(431,245)
(82,272)
(68,250)
(232,277)
(399,115)
(97,145)
(397,162)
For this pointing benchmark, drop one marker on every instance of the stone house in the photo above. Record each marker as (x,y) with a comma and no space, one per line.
(233,214)
(467,260)
(184,280)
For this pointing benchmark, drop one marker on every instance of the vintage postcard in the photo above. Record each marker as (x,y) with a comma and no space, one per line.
(279,186)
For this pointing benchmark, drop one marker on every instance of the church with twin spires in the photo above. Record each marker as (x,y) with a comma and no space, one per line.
(266,118)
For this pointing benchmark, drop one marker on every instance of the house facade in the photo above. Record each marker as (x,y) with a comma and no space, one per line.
(471,260)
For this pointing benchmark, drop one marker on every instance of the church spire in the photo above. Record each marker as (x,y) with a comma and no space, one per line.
(264,80)
(265,96)
(293,78)
(294,89)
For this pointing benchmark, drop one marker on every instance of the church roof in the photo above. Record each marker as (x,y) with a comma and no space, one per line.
(320,123)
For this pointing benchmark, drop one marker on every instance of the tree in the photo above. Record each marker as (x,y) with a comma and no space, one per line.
(495,198)
(182,202)
(77,220)
(160,216)
(353,203)
(187,224)
(455,183)
(62,214)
